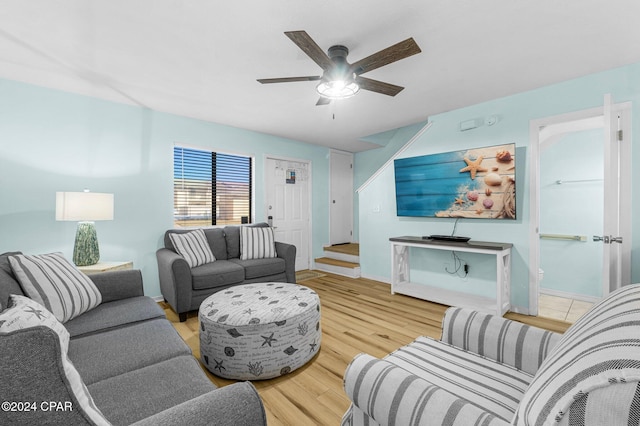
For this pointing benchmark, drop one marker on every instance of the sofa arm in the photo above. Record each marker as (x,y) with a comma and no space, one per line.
(288,253)
(232,405)
(509,342)
(118,285)
(175,280)
(391,395)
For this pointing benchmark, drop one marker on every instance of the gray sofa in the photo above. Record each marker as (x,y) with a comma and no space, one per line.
(185,288)
(136,367)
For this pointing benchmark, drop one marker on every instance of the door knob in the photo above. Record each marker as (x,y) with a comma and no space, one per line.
(608,239)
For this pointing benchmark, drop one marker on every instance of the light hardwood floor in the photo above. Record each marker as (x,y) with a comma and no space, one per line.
(358,315)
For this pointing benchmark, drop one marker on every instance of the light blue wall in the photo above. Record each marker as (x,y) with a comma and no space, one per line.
(514,113)
(572,208)
(54,141)
(368,162)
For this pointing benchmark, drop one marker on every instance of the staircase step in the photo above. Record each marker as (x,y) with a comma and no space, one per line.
(351,248)
(337,262)
(345,252)
(336,266)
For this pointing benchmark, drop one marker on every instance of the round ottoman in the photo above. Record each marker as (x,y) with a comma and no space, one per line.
(259,331)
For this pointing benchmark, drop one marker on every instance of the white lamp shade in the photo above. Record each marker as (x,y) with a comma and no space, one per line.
(84,206)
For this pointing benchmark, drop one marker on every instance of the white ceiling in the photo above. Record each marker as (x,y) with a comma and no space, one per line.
(201,58)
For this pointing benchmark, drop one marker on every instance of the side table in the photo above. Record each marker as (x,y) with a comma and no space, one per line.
(105,267)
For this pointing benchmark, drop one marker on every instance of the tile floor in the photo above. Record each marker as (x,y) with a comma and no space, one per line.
(560,308)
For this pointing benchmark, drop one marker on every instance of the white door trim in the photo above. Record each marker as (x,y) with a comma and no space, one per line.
(309,164)
(534,189)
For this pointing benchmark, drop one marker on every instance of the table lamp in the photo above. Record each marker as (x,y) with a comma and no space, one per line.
(85,208)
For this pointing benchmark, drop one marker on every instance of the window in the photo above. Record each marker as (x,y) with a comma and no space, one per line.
(206,182)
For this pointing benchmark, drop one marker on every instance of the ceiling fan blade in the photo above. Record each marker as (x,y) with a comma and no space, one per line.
(311,48)
(289,79)
(323,101)
(378,86)
(386,56)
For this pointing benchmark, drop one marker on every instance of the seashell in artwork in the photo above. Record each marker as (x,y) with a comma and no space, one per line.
(472,195)
(493,179)
(503,156)
(487,203)
(488,192)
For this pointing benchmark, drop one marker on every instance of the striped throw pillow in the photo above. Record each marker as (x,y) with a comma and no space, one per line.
(193,246)
(55,283)
(257,243)
(592,377)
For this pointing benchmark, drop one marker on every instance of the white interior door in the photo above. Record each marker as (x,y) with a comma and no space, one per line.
(341,197)
(616,236)
(287,184)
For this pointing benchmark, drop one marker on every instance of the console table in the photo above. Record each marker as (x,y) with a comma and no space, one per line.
(401,281)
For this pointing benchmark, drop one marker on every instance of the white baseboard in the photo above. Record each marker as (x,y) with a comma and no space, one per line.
(158,298)
(384,280)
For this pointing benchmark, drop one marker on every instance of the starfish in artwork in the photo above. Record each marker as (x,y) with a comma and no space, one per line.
(459,201)
(473,166)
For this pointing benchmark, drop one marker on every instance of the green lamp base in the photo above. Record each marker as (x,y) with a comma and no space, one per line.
(86,251)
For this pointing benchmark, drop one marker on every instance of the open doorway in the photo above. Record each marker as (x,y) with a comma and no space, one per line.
(580,210)
(341,194)
(571,211)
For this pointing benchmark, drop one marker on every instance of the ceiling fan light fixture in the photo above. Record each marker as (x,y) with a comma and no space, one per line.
(337,89)
(340,79)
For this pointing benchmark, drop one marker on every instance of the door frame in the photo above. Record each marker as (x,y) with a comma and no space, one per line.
(265,206)
(534,191)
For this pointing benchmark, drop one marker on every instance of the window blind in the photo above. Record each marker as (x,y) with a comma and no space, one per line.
(211,188)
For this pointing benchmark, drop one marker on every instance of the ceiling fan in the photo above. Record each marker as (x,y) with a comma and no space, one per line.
(340,79)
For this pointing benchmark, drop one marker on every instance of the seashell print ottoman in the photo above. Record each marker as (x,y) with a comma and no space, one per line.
(259,331)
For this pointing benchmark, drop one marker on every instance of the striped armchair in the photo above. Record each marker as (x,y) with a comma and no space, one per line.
(489,371)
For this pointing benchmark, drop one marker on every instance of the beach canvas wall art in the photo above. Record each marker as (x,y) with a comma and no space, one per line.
(473,183)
